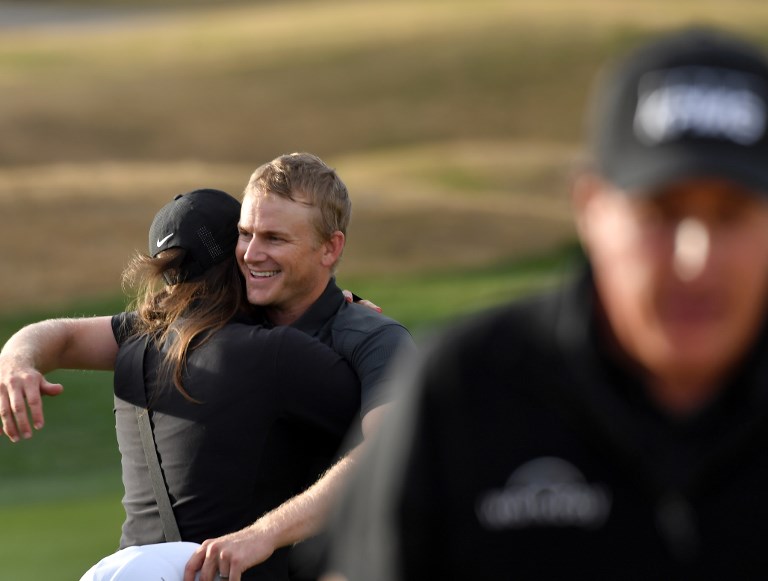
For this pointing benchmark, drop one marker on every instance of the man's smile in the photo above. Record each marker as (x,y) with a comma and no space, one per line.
(263,273)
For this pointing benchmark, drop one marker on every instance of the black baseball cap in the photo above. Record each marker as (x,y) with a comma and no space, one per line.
(693,103)
(202,222)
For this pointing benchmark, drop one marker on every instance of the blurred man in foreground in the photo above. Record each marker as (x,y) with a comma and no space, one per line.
(618,427)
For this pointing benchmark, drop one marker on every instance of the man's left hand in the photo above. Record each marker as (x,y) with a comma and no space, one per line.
(366,303)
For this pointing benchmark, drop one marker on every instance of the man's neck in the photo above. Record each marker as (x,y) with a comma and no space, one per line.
(288,315)
(678,392)
(280,318)
(682,396)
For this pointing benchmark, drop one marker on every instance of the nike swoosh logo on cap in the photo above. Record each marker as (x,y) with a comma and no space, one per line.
(162,241)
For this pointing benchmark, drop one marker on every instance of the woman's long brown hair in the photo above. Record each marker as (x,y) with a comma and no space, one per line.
(176,316)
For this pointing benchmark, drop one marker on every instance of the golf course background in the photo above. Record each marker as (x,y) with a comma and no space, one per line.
(455,124)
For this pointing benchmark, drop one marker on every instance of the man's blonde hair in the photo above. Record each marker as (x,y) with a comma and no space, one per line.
(306,179)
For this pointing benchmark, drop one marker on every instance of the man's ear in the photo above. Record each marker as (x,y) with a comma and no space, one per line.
(332,248)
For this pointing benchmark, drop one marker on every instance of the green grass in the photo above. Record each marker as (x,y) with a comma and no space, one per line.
(425,303)
(60,491)
(58,541)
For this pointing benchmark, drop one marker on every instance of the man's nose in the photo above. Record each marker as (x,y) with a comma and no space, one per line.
(255,251)
(692,248)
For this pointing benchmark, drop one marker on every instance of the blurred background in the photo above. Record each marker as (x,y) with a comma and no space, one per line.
(454,123)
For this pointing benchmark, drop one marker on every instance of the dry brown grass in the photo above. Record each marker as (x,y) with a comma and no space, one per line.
(239,84)
(69,229)
(453,122)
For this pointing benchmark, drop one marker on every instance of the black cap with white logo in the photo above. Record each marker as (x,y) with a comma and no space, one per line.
(691,104)
(202,222)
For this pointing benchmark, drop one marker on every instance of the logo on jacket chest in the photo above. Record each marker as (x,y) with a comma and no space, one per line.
(545,492)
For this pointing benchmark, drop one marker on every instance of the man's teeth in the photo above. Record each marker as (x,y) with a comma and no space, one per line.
(264,273)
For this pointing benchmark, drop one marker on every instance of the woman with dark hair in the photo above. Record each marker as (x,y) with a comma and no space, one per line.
(214,390)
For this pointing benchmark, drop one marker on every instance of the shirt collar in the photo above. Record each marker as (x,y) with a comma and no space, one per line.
(322,310)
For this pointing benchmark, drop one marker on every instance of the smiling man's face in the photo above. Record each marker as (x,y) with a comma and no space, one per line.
(285,265)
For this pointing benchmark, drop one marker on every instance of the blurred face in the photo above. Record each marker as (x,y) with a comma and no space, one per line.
(285,266)
(682,273)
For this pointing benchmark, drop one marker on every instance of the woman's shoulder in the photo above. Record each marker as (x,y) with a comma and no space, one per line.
(238,332)
(287,341)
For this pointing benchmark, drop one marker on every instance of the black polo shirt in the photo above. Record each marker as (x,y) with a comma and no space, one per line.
(523,450)
(224,459)
(369,341)
(366,339)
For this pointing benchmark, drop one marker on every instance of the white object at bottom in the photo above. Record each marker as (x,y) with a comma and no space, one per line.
(159,562)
